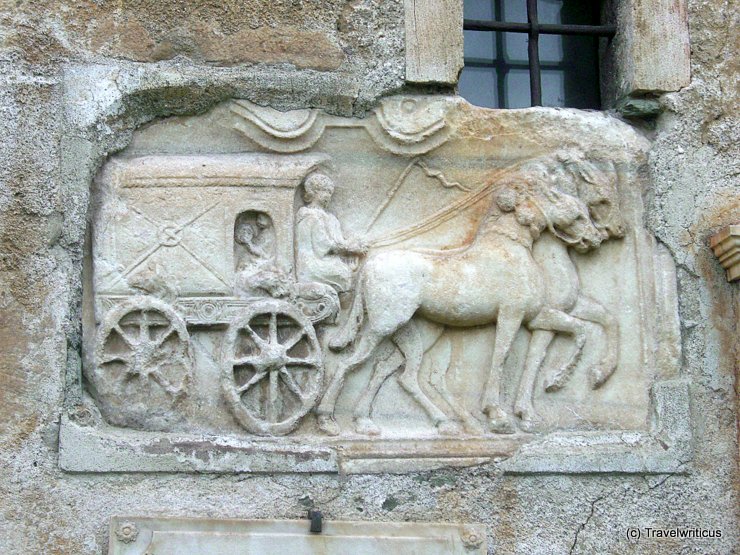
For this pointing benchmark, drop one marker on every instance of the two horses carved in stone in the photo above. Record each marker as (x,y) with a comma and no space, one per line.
(494,279)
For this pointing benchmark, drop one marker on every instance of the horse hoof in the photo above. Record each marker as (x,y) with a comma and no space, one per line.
(524,411)
(535,425)
(532,424)
(449,428)
(505,426)
(338,342)
(365,426)
(328,425)
(598,376)
(499,422)
(473,427)
(552,384)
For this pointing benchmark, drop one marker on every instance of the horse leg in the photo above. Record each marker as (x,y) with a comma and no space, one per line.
(436,377)
(588,309)
(325,410)
(524,406)
(409,342)
(438,380)
(558,321)
(508,322)
(389,360)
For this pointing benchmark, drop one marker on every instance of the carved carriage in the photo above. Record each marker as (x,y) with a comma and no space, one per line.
(192,242)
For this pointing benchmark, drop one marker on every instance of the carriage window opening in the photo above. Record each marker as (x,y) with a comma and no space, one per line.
(254,240)
(521,53)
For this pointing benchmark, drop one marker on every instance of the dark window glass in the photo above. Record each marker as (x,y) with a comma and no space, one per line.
(496,72)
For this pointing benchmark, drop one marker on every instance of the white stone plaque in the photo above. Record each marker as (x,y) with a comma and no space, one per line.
(162,536)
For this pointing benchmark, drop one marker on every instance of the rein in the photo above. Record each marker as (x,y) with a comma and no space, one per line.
(442,216)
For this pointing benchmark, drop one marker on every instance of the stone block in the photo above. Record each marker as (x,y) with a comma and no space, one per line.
(434,41)
(653,47)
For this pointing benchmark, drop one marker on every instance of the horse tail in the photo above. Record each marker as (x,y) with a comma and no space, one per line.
(346,334)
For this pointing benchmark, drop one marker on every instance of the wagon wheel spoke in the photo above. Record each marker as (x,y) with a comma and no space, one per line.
(253,380)
(135,368)
(162,338)
(291,384)
(293,341)
(119,330)
(106,358)
(273,328)
(301,361)
(251,360)
(144,327)
(182,356)
(176,357)
(273,409)
(256,337)
(164,383)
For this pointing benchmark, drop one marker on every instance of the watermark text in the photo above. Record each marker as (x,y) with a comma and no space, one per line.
(649,533)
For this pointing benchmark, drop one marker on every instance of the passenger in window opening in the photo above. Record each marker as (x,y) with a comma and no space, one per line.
(254,238)
(256,270)
(321,248)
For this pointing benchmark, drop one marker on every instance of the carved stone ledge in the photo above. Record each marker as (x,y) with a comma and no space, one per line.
(726,246)
(663,449)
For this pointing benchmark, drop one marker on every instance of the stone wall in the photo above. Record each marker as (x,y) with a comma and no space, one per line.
(79,77)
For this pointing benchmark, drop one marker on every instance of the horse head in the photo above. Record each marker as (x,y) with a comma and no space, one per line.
(567,218)
(597,184)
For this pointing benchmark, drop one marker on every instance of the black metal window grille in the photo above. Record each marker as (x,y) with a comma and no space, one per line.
(533,28)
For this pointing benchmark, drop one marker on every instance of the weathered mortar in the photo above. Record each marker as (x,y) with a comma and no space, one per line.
(694,167)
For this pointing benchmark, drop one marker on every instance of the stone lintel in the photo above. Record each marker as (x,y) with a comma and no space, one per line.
(434,41)
(654,54)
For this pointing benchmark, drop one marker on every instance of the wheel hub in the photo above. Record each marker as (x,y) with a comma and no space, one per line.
(274,358)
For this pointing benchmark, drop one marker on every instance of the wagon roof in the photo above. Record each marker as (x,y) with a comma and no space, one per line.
(221,170)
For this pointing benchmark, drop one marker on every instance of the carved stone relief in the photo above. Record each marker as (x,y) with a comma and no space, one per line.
(432,281)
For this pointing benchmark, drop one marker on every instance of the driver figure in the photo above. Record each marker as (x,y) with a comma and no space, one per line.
(320,244)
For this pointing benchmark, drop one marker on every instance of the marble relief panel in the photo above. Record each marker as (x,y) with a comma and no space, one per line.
(432,282)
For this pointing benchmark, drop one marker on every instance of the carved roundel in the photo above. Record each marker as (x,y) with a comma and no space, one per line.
(209,310)
(272,367)
(143,362)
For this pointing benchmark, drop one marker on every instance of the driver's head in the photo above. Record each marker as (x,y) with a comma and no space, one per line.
(318,188)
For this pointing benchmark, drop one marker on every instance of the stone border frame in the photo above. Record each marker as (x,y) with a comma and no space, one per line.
(649,54)
(87,446)
(103,106)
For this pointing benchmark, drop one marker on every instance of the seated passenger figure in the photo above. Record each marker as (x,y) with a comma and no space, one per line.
(320,243)
(253,238)
(256,269)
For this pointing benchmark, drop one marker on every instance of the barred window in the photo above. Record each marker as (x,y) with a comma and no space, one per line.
(521,53)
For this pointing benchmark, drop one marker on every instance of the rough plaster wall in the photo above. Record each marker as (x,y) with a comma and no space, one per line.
(160,58)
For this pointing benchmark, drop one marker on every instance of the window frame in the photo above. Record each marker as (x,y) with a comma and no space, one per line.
(648,56)
(533,28)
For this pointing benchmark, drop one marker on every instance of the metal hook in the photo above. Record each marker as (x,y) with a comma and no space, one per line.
(316,518)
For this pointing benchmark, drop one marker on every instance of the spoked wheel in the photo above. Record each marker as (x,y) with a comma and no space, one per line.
(143,360)
(273,369)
